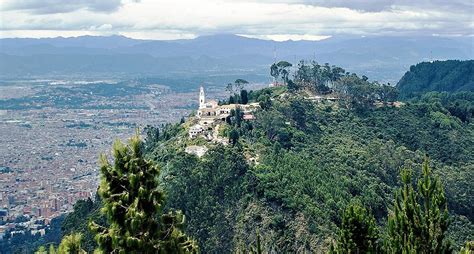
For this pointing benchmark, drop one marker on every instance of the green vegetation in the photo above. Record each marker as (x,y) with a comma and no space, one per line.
(358,232)
(304,176)
(131,218)
(28,243)
(70,244)
(438,76)
(417,224)
(75,222)
(419,220)
(132,202)
(313,159)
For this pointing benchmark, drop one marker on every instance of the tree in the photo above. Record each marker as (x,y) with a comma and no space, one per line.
(230,89)
(303,73)
(41,250)
(468,248)
(388,93)
(358,232)
(292,86)
(298,113)
(237,116)
(419,220)
(71,244)
(282,69)
(274,71)
(239,84)
(133,203)
(152,136)
(264,101)
(52,250)
(244,98)
(233,136)
(76,222)
(336,73)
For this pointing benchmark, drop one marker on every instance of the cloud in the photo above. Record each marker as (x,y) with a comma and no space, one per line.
(275,19)
(60,6)
(381,5)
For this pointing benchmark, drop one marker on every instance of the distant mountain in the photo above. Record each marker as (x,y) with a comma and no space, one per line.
(383,58)
(439,76)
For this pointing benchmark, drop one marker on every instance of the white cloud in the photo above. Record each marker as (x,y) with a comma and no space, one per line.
(285,37)
(273,19)
(60,6)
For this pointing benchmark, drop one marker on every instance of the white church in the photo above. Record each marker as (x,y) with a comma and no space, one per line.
(211,113)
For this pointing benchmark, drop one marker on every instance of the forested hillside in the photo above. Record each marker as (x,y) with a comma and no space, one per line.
(437,76)
(326,147)
(312,160)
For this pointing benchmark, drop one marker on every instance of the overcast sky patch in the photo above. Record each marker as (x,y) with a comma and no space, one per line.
(272,19)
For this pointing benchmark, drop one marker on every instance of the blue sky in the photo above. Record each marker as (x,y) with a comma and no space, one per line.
(269,19)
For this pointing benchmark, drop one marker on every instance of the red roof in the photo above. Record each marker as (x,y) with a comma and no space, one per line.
(249,117)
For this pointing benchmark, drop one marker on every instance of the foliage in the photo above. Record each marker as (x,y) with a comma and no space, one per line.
(210,193)
(468,248)
(358,232)
(297,167)
(312,159)
(360,94)
(28,243)
(71,244)
(460,105)
(236,87)
(438,76)
(233,136)
(355,92)
(244,99)
(317,78)
(280,69)
(241,98)
(77,221)
(419,220)
(133,201)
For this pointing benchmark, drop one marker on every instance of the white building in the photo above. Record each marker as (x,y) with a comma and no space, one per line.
(195,130)
(210,112)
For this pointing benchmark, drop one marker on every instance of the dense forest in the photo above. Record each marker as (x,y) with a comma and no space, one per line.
(313,161)
(305,176)
(437,76)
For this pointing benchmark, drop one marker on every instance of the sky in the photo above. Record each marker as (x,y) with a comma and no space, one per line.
(265,19)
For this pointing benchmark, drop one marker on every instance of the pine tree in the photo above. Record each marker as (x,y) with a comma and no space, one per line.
(468,248)
(358,232)
(41,250)
(133,204)
(52,250)
(71,244)
(419,220)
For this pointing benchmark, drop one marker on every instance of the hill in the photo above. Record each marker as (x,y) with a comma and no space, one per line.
(438,76)
(292,171)
(325,140)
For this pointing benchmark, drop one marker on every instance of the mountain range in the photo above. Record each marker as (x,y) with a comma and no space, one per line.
(383,58)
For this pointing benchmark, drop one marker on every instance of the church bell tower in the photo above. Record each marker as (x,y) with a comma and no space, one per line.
(202,98)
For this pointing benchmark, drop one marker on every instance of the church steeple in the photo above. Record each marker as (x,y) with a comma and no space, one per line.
(202,98)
